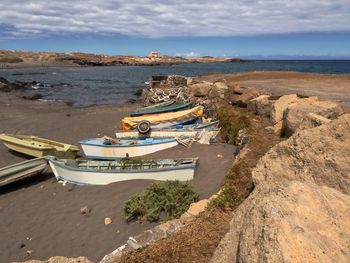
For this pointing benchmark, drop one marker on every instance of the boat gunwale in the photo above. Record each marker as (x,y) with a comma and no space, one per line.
(24,162)
(63,164)
(24,141)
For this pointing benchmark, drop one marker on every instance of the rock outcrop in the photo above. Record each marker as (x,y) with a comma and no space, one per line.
(296,222)
(299,209)
(240,96)
(319,155)
(261,105)
(297,112)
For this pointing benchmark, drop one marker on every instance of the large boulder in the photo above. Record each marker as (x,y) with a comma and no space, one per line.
(221,88)
(299,209)
(294,222)
(261,105)
(201,89)
(320,155)
(312,120)
(278,109)
(298,111)
(240,96)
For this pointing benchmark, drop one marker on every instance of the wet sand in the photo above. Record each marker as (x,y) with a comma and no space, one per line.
(43,216)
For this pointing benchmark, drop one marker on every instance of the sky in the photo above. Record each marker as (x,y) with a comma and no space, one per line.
(188,28)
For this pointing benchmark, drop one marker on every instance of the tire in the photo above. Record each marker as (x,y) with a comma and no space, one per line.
(144,127)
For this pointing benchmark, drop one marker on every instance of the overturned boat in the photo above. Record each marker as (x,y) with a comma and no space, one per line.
(108,148)
(171,106)
(93,172)
(19,171)
(38,147)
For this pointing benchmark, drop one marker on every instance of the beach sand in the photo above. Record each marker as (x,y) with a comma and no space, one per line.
(43,217)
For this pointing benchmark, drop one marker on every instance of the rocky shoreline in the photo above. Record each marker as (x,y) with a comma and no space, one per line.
(14,59)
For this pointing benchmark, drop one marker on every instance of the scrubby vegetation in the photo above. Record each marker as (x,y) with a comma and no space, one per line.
(160,201)
(10,59)
(301,96)
(237,186)
(231,123)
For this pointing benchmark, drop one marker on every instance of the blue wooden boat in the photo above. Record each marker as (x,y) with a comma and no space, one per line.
(175,106)
(174,124)
(108,148)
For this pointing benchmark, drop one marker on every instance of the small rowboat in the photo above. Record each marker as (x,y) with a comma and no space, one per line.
(107,148)
(92,172)
(158,105)
(18,171)
(38,147)
(161,109)
(130,123)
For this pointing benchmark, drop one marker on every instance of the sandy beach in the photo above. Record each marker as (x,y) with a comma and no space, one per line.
(43,217)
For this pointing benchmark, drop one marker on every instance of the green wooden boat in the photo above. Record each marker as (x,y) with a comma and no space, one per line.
(174,106)
(38,147)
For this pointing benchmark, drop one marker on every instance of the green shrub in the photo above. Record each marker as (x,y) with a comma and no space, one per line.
(301,96)
(161,200)
(231,123)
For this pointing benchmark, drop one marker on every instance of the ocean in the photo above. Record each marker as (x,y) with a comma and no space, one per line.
(86,86)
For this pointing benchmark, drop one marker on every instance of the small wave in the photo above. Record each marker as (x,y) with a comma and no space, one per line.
(39,85)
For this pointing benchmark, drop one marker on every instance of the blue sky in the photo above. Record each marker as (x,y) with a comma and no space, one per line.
(243,28)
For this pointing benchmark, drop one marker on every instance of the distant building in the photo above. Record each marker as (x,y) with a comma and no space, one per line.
(153,54)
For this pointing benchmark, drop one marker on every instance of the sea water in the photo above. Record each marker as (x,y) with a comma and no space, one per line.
(85,86)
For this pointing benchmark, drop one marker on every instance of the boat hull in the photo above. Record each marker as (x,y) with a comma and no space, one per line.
(129,123)
(22,170)
(201,136)
(84,177)
(162,109)
(38,147)
(120,151)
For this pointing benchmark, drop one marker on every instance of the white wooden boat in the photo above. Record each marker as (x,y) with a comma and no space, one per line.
(202,133)
(100,148)
(92,172)
(22,170)
(201,136)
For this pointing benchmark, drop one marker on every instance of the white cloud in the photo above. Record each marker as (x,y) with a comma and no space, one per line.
(158,18)
(191,54)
